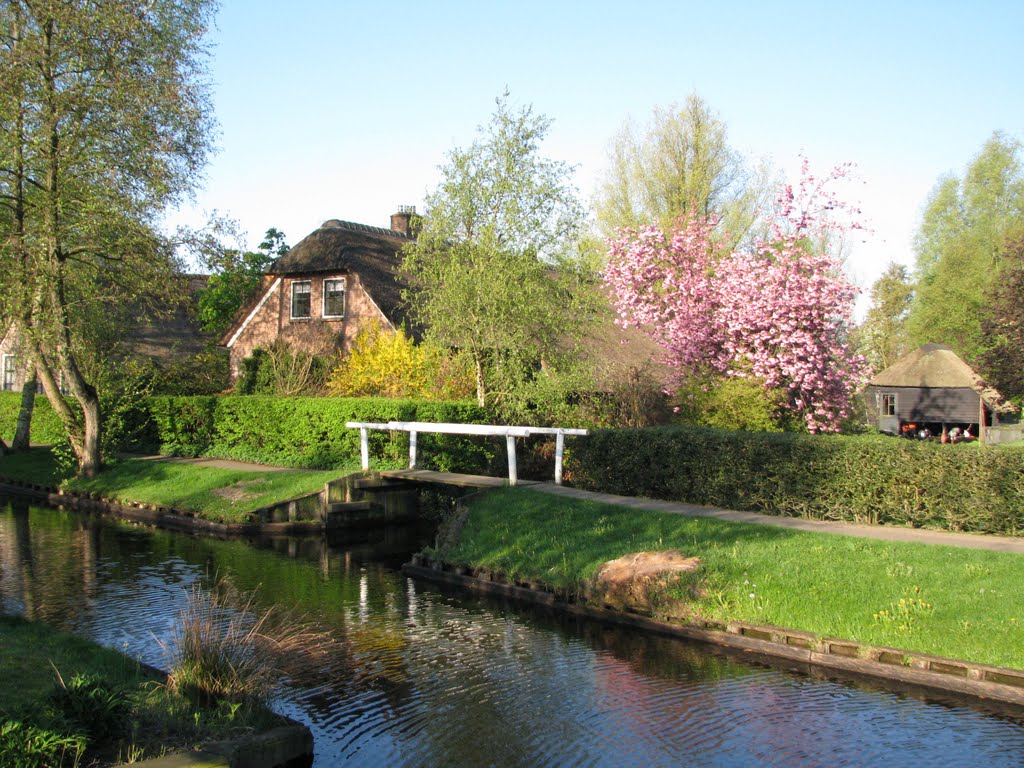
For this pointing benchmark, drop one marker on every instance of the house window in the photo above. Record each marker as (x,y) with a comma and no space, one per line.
(889,405)
(7,373)
(300,299)
(334,298)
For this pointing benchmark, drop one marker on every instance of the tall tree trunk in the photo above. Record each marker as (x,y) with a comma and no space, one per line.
(481,391)
(28,403)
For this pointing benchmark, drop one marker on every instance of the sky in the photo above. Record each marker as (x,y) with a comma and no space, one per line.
(344,110)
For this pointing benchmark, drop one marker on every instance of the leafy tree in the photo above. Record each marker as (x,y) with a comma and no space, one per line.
(960,247)
(492,272)
(236,276)
(1002,326)
(104,121)
(882,337)
(679,165)
(777,313)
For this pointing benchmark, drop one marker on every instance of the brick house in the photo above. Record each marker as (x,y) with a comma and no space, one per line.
(318,296)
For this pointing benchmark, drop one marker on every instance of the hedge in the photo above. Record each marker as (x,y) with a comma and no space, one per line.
(869,479)
(310,431)
(46,425)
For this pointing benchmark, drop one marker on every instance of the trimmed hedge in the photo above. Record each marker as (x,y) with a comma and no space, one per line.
(868,479)
(46,426)
(310,431)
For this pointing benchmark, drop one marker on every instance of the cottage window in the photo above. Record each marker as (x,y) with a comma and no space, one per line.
(8,373)
(334,298)
(301,299)
(889,405)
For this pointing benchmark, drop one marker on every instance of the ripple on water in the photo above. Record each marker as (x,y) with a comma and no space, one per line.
(430,678)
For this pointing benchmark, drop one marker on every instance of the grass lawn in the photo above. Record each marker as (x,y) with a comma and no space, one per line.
(947,601)
(108,710)
(222,495)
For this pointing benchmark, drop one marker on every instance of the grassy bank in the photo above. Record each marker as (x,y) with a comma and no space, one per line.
(222,495)
(67,701)
(941,600)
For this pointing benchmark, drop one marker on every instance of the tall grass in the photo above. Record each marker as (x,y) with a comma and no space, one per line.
(226,646)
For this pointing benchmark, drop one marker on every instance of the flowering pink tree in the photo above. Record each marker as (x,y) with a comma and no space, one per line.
(777,312)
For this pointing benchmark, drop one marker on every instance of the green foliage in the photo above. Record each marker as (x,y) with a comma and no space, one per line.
(236,276)
(735,403)
(1002,324)
(204,373)
(92,705)
(678,165)
(389,364)
(868,479)
(46,426)
(280,369)
(493,272)
(309,431)
(961,247)
(882,337)
(23,745)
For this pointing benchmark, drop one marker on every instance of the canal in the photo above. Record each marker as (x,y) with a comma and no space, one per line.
(429,677)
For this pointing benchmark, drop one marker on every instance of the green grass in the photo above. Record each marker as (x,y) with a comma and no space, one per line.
(186,487)
(66,692)
(957,602)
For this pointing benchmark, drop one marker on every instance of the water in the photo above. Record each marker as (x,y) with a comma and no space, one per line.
(428,677)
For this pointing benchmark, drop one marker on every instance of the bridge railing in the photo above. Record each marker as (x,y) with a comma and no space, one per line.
(510,434)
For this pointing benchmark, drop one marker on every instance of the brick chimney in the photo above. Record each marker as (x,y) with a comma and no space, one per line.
(402,221)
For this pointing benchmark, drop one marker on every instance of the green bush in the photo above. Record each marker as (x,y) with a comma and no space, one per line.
(310,431)
(869,479)
(46,426)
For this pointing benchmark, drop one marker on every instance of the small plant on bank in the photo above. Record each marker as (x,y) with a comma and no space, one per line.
(227,648)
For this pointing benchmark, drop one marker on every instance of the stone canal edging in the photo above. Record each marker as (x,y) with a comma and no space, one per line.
(314,513)
(999,685)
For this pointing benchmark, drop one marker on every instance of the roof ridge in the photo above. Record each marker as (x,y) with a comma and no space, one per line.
(355,226)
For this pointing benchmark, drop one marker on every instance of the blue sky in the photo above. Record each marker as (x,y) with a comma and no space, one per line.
(345,110)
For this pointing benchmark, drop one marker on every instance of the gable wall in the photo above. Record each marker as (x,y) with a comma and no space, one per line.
(313,334)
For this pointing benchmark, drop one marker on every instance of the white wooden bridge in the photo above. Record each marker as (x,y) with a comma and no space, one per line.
(510,433)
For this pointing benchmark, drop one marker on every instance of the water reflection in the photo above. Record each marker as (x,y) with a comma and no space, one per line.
(429,677)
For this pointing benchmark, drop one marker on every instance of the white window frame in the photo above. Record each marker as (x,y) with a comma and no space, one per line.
(323,298)
(8,365)
(291,303)
(887,398)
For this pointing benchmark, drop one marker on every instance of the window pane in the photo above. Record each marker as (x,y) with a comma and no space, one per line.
(334,298)
(300,299)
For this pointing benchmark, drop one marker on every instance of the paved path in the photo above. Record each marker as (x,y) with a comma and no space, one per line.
(885,533)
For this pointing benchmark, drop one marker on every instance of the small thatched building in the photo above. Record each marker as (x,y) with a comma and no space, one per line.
(932,387)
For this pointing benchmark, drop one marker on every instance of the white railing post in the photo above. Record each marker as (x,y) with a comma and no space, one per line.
(559,450)
(364,448)
(510,443)
(412,450)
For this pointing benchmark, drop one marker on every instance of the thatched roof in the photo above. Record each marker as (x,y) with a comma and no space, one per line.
(348,247)
(938,366)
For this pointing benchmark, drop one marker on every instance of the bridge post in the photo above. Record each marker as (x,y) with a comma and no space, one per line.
(364,448)
(559,450)
(510,443)
(412,450)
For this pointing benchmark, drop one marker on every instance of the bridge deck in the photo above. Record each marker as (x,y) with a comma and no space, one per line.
(450,478)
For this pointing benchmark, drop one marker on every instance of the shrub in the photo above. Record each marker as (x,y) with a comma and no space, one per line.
(870,479)
(280,369)
(389,364)
(310,431)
